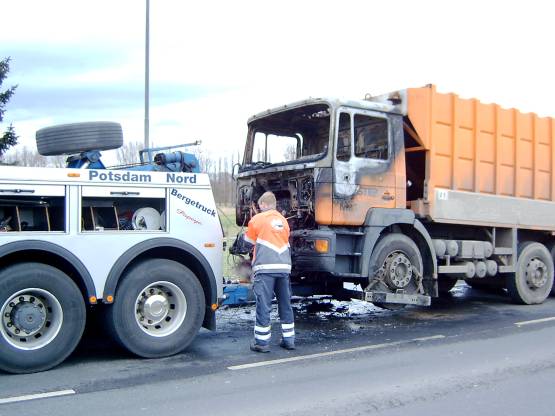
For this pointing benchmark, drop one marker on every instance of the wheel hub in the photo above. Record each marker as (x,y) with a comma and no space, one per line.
(30,319)
(160,308)
(536,274)
(156,308)
(24,315)
(398,270)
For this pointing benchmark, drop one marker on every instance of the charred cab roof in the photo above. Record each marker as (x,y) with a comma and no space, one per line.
(382,103)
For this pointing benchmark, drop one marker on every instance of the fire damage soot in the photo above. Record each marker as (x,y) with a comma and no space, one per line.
(194,204)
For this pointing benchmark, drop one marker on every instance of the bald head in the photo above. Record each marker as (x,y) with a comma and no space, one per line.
(267,201)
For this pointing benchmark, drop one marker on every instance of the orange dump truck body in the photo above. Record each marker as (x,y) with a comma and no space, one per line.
(484,164)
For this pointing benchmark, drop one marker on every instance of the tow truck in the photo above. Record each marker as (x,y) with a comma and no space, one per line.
(141,244)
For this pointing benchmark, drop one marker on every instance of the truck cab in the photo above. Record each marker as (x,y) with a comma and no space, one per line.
(337,169)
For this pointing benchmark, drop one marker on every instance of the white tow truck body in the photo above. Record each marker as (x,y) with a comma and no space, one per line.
(147,245)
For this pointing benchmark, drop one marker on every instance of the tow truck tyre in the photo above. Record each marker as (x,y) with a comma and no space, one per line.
(533,279)
(75,138)
(396,254)
(42,317)
(159,308)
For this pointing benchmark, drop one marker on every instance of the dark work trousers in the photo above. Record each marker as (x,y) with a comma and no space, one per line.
(264,287)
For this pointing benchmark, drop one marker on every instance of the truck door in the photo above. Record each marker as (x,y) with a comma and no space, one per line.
(364,172)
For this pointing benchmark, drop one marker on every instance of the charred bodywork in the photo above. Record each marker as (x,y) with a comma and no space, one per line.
(396,190)
(332,166)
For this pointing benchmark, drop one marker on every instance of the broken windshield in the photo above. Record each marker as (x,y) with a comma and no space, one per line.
(289,136)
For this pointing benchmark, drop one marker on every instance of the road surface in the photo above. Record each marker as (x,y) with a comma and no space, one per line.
(471,353)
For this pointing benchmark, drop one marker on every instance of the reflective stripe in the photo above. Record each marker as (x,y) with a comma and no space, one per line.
(273,246)
(262,328)
(263,337)
(248,240)
(287,326)
(288,334)
(272,267)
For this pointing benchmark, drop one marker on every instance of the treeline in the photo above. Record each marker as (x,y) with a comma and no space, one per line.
(220,172)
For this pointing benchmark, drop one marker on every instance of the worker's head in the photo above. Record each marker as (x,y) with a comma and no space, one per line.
(267,201)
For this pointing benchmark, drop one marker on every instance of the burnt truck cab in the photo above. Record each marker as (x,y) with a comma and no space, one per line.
(337,169)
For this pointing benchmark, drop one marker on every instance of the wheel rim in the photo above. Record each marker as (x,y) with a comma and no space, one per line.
(536,274)
(397,270)
(160,309)
(31,319)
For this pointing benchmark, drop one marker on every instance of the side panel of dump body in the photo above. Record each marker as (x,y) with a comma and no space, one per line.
(481,156)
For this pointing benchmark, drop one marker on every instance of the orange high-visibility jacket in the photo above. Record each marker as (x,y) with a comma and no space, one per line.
(269,232)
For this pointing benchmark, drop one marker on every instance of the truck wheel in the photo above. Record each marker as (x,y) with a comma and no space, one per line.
(533,279)
(551,248)
(68,139)
(158,309)
(42,317)
(445,284)
(394,258)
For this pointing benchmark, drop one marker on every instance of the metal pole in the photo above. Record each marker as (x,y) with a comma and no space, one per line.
(147,59)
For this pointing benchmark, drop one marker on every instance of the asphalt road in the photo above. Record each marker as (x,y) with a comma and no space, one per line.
(470,353)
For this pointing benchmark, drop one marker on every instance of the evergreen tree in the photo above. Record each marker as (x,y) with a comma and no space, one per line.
(9,138)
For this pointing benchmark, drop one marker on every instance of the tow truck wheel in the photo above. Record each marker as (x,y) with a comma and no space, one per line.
(42,317)
(158,309)
(533,279)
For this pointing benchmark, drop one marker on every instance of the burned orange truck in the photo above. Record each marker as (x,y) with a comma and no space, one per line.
(405,193)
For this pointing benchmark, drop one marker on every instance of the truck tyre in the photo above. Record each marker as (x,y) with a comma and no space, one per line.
(551,248)
(533,279)
(42,317)
(67,139)
(445,284)
(158,308)
(393,259)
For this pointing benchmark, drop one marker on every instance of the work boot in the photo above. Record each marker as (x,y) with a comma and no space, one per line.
(259,347)
(287,343)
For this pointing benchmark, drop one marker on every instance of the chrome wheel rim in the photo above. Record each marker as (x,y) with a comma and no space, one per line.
(31,319)
(160,309)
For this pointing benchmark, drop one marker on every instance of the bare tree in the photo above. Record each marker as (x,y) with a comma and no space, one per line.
(129,153)
(290,153)
(25,156)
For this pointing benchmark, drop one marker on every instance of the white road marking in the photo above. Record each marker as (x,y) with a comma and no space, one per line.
(36,396)
(535,321)
(330,353)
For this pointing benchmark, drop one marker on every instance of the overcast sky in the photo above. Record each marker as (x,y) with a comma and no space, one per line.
(214,64)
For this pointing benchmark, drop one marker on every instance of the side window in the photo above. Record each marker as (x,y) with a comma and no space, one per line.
(371,137)
(122,209)
(344,137)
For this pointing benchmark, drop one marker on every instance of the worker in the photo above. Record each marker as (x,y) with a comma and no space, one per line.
(268,231)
